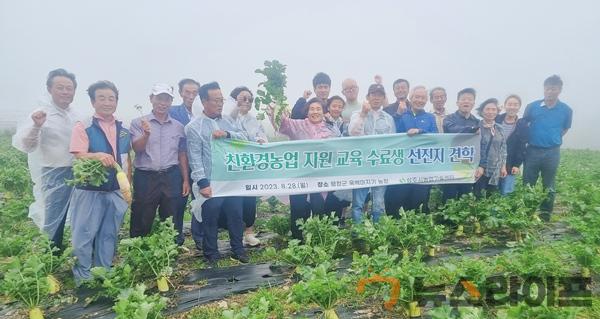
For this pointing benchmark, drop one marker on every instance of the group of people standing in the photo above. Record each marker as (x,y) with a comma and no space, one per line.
(507,141)
(172,156)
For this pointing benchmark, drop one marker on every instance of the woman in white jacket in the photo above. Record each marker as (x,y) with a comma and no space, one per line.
(248,123)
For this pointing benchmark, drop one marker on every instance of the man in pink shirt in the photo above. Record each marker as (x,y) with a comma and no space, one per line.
(97,211)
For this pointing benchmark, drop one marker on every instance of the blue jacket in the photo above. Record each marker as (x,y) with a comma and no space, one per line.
(423,121)
(98,142)
(180,113)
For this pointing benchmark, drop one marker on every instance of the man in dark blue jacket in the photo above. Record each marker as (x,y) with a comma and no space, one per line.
(461,121)
(188,90)
(322,86)
(412,122)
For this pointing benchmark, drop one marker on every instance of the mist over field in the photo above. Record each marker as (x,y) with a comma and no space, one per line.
(498,48)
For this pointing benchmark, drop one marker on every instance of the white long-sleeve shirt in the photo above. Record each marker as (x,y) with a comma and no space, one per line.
(198,134)
(51,141)
(374,123)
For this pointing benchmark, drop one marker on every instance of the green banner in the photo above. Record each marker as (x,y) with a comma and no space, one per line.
(243,168)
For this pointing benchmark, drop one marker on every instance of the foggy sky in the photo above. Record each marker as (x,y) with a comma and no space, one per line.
(499,48)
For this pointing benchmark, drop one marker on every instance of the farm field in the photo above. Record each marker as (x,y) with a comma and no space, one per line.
(489,258)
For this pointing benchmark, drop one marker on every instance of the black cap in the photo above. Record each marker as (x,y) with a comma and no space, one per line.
(376,88)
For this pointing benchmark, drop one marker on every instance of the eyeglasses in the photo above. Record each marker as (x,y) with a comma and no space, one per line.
(352,88)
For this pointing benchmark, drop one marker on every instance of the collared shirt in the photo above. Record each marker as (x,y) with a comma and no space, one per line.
(422,120)
(375,123)
(199,134)
(80,142)
(439,120)
(349,109)
(249,124)
(166,141)
(51,141)
(298,129)
(546,124)
(458,123)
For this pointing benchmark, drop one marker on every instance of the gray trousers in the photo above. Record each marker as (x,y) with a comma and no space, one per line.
(96,218)
(56,201)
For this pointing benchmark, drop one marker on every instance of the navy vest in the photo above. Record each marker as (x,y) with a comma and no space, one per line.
(98,142)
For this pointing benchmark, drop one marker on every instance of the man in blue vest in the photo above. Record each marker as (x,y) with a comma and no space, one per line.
(97,212)
(549,120)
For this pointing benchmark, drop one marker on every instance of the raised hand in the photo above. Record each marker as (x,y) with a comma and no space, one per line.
(146,127)
(307,94)
(366,107)
(39,118)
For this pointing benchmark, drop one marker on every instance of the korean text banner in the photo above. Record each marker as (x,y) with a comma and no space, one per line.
(242,168)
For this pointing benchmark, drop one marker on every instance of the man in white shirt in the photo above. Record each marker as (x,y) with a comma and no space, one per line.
(370,120)
(46,137)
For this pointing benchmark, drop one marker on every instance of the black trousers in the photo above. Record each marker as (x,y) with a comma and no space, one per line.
(455,191)
(407,197)
(154,190)
(483,184)
(249,211)
(396,196)
(213,210)
(300,208)
(324,206)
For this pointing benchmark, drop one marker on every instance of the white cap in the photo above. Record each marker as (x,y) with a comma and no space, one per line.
(160,88)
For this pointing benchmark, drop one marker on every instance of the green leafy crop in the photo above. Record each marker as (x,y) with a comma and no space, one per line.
(271,91)
(88,172)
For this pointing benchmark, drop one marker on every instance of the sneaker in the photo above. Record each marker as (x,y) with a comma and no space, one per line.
(242,258)
(250,240)
(545,216)
(212,262)
(184,249)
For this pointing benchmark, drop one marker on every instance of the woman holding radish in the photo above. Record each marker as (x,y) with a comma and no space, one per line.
(313,127)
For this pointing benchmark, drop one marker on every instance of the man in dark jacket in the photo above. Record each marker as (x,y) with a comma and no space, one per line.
(461,121)
(322,87)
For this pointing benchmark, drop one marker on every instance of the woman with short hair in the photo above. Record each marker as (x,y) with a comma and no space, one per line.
(313,127)
(249,124)
(492,163)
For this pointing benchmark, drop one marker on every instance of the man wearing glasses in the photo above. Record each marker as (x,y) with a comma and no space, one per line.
(350,92)
(205,208)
